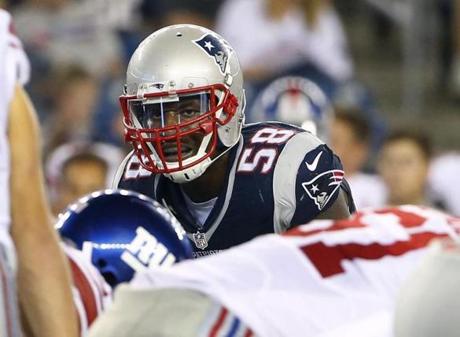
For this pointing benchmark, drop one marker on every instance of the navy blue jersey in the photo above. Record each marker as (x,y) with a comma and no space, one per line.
(278,176)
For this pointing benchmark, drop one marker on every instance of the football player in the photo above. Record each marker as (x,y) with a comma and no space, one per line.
(91,293)
(43,281)
(109,235)
(122,232)
(326,278)
(226,183)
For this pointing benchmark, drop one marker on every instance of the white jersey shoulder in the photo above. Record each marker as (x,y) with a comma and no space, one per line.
(282,285)
(91,293)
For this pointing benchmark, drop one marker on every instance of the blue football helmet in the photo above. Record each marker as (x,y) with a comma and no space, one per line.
(123,232)
(295,100)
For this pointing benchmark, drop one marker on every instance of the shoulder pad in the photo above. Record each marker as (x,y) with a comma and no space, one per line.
(306,180)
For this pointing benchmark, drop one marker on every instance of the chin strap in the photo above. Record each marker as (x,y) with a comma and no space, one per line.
(189,174)
(197,170)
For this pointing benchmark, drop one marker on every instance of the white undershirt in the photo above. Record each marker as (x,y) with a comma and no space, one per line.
(200,210)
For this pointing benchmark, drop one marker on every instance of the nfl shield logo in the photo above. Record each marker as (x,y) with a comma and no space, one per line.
(200,240)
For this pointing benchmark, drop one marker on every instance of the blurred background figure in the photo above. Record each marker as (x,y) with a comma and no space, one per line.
(444,181)
(281,37)
(64,32)
(403,165)
(78,168)
(294,100)
(74,100)
(201,13)
(350,139)
(449,21)
(356,97)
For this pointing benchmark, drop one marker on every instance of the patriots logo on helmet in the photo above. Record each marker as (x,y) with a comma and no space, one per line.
(215,49)
(322,193)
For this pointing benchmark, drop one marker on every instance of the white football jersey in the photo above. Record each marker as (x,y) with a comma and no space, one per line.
(326,278)
(90,291)
(14,68)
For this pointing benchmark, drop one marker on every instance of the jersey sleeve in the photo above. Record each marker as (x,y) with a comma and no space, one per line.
(306,181)
(335,276)
(133,177)
(90,291)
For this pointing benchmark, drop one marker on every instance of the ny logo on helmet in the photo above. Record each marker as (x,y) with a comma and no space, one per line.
(146,251)
(214,48)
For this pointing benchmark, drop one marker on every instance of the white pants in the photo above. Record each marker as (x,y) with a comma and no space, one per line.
(166,313)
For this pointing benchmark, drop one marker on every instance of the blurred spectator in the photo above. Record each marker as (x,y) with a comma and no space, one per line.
(62,33)
(274,38)
(273,35)
(75,95)
(449,23)
(354,95)
(78,168)
(403,166)
(350,140)
(65,32)
(107,123)
(202,13)
(444,181)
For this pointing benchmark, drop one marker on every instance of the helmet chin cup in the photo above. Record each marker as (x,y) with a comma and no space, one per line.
(187,175)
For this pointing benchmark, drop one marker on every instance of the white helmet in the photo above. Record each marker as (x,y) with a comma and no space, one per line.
(184,101)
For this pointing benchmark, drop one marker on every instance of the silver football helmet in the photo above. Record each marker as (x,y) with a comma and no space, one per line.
(184,101)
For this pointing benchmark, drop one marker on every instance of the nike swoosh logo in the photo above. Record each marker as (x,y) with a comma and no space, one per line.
(314,163)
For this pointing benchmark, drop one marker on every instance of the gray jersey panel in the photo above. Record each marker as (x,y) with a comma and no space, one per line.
(284,177)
